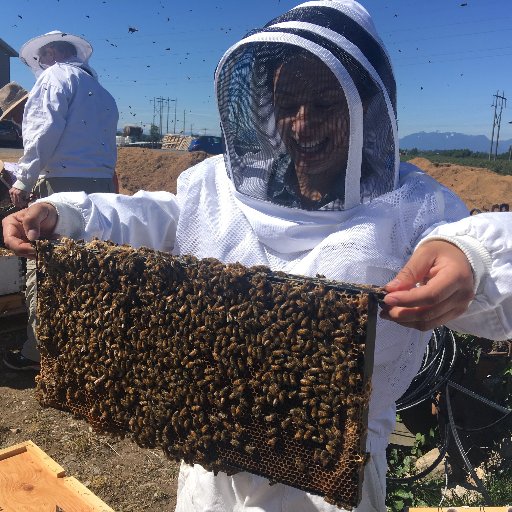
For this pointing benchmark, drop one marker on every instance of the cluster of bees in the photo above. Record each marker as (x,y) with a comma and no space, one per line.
(230,367)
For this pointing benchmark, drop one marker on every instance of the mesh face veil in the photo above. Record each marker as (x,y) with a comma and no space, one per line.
(307,108)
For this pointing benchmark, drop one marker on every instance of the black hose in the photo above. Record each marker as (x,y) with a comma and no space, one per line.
(436,368)
(478,482)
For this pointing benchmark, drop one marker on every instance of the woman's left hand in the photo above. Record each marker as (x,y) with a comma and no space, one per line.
(434,287)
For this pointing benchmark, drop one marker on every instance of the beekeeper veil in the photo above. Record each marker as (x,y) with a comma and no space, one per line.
(308,109)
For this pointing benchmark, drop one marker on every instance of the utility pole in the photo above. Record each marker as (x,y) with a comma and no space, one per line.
(498,103)
(184,122)
(175,103)
(167,131)
(175,100)
(163,109)
(510,148)
(161,105)
(154,108)
(161,102)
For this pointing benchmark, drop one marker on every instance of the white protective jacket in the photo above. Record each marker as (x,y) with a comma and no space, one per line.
(69,127)
(233,208)
(367,244)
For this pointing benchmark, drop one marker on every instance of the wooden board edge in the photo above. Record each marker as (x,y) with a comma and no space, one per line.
(86,495)
(30,447)
(46,460)
(13,450)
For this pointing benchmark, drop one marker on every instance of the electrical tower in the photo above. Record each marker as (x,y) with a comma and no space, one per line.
(499,103)
(154,109)
(161,107)
(161,101)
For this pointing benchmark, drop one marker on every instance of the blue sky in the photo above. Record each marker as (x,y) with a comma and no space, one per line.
(449,59)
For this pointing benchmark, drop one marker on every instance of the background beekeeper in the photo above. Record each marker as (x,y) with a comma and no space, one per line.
(69,130)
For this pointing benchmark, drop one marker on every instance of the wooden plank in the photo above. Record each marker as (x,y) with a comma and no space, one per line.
(12,451)
(464,508)
(31,481)
(45,460)
(401,436)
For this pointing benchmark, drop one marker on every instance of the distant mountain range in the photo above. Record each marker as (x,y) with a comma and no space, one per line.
(431,141)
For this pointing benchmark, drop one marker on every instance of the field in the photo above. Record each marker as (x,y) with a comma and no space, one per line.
(126,477)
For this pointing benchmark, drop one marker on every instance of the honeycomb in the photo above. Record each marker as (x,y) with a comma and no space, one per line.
(230,367)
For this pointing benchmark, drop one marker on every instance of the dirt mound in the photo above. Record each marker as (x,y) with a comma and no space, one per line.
(152,169)
(477,187)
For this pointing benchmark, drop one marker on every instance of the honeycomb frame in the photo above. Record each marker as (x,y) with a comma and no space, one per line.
(235,368)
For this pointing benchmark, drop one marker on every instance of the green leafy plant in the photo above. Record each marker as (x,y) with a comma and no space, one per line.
(402,463)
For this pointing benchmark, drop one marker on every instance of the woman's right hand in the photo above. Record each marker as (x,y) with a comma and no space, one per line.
(26,226)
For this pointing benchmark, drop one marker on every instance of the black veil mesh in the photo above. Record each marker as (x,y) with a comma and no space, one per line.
(330,18)
(289,144)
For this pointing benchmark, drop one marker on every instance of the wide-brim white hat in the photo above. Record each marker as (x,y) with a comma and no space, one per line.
(29,51)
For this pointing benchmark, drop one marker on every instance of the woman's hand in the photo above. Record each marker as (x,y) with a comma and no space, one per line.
(434,287)
(23,227)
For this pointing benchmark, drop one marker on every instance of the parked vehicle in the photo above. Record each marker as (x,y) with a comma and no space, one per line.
(10,135)
(208,143)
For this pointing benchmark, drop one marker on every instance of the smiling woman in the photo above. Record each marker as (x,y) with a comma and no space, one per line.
(313,122)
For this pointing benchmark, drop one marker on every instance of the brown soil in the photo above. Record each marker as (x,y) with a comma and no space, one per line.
(158,170)
(126,477)
(153,169)
(477,187)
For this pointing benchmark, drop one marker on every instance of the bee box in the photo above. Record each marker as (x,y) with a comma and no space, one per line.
(11,274)
(230,367)
(31,481)
(12,304)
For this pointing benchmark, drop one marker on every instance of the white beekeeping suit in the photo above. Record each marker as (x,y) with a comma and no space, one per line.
(258,204)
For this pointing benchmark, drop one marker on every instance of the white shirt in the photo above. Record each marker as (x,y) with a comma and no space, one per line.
(69,127)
